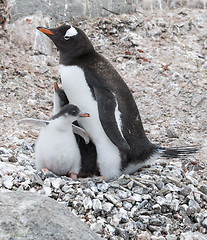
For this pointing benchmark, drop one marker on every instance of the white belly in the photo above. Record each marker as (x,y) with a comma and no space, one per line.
(78,93)
(58,151)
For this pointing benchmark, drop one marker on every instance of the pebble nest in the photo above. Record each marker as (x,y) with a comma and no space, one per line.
(162,56)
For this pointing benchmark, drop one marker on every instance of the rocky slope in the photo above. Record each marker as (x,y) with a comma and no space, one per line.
(163,58)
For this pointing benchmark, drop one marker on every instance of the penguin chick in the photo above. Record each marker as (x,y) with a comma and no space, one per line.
(86,147)
(56,148)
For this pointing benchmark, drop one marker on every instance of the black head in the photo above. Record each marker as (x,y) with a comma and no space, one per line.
(71,111)
(69,40)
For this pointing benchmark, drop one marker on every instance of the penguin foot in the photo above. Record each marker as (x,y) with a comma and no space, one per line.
(101,177)
(73,175)
(44,170)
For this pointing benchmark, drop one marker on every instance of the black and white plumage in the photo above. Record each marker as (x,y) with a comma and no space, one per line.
(86,147)
(115,126)
(56,148)
(60,100)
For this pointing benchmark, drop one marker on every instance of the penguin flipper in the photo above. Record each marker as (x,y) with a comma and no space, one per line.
(81,132)
(106,107)
(33,121)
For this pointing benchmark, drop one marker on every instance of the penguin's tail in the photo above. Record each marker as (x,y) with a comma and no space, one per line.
(176,152)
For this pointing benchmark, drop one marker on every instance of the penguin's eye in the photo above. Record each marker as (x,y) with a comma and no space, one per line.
(66,38)
(74,112)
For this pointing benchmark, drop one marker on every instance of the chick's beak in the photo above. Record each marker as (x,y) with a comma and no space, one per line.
(84,115)
(56,87)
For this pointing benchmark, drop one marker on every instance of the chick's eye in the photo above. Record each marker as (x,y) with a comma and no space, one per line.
(66,38)
(74,112)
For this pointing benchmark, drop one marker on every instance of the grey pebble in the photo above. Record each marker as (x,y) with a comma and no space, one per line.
(103,187)
(127,205)
(204,223)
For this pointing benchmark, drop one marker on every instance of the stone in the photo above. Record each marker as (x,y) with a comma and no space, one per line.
(193,207)
(89,192)
(92,186)
(203,189)
(60,11)
(112,199)
(24,31)
(160,200)
(87,203)
(97,227)
(139,190)
(122,194)
(103,187)
(97,206)
(100,196)
(192,235)
(185,191)
(127,205)
(12,159)
(56,183)
(199,217)
(157,238)
(107,207)
(172,187)
(144,219)
(157,221)
(120,217)
(8,182)
(146,197)
(197,99)
(204,223)
(171,237)
(26,215)
(159,184)
(67,189)
(142,204)
(171,133)
(130,185)
(175,204)
(157,208)
(136,197)
(141,225)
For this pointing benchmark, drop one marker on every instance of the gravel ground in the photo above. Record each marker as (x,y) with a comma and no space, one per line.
(163,58)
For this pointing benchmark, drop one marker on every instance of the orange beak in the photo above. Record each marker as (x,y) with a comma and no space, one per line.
(56,87)
(45,30)
(84,115)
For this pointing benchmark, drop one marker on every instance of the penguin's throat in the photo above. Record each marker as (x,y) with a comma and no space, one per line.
(62,124)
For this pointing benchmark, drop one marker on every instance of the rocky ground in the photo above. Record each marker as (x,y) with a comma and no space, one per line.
(163,58)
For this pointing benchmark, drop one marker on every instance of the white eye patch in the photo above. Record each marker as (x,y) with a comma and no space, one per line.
(70,33)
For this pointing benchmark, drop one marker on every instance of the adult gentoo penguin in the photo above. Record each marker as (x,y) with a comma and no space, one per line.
(115,126)
(56,148)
